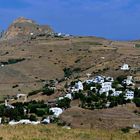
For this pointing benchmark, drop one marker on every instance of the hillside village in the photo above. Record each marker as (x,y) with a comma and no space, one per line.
(49,76)
(94,93)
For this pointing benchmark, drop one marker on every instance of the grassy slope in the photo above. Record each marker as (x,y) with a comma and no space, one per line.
(47,57)
(42,132)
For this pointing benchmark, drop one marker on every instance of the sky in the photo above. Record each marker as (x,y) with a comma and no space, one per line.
(112,19)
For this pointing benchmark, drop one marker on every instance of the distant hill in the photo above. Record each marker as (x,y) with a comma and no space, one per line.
(22,27)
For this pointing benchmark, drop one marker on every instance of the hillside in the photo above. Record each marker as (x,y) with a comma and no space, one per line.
(110,119)
(46,57)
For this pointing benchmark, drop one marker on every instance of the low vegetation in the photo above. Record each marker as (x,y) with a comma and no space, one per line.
(52,132)
(12,61)
(28,110)
(137,45)
(87,43)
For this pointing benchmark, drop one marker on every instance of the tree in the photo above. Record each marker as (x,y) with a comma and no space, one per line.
(121,99)
(120,78)
(115,84)
(33,118)
(137,92)
(67,72)
(47,91)
(137,101)
(64,103)
(40,112)
(98,86)
(110,92)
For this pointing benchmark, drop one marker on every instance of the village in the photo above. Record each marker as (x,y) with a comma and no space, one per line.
(98,92)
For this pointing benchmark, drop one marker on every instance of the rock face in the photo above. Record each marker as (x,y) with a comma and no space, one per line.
(22,27)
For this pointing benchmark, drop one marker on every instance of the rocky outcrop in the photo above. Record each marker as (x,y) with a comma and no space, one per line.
(22,27)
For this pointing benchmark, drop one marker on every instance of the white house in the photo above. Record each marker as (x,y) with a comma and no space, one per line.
(107,84)
(89,81)
(22,95)
(128,81)
(46,120)
(88,75)
(26,121)
(13,122)
(68,96)
(8,105)
(78,86)
(99,79)
(0,120)
(110,79)
(106,87)
(35,122)
(60,98)
(57,111)
(129,95)
(59,34)
(2,65)
(31,34)
(125,67)
(67,35)
(116,93)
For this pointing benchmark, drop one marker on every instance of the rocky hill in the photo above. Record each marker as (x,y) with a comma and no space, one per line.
(22,27)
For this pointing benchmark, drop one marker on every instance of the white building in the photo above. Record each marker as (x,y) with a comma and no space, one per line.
(129,95)
(106,87)
(107,84)
(125,67)
(116,93)
(78,86)
(59,34)
(13,122)
(60,98)
(26,121)
(57,111)
(110,79)
(68,96)
(128,81)
(8,105)
(0,120)
(46,120)
(99,79)
(31,34)
(89,81)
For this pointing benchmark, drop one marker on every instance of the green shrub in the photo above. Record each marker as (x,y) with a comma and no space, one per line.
(137,45)
(13,61)
(34,92)
(47,91)
(137,101)
(67,72)
(40,112)
(64,103)
(126,130)
(87,43)
(33,118)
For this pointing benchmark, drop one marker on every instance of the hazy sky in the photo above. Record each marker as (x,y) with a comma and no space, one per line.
(114,19)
